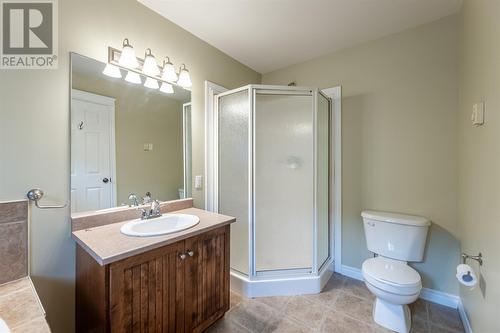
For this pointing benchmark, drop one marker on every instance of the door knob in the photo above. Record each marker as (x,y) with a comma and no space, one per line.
(105,180)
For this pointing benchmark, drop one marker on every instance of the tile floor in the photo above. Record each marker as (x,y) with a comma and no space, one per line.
(344,306)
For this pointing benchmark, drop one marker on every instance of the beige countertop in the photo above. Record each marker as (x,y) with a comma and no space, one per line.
(20,307)
(106,244)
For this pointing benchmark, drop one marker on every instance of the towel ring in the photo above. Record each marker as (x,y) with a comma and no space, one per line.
(36,194)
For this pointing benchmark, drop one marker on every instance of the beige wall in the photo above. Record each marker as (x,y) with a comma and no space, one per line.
(479,153)
(142,116)
(399,136)
(34,125)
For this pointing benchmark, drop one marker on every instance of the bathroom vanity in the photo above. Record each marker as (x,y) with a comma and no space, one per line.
(177,282)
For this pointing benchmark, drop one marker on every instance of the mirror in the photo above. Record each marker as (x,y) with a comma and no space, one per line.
(126,138)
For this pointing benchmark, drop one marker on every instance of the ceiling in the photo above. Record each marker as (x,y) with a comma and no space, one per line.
(270,34)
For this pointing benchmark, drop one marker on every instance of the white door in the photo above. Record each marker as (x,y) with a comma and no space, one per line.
(93,185)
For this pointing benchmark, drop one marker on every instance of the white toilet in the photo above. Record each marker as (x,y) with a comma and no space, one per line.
(396,239)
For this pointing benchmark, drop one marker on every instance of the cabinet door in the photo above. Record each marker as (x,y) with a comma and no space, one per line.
(207,279)
(146,292)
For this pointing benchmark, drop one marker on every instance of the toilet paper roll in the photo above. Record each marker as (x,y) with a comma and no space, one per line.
(466,276)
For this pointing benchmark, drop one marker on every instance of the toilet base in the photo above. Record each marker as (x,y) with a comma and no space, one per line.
(395,317)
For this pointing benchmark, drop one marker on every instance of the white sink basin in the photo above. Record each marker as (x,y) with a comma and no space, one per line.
(165,224)
(3,327)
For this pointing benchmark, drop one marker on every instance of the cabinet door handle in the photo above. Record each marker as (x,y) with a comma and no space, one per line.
(190,253)
(182,256)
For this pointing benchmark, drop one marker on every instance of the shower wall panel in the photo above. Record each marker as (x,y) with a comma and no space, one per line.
(284,187)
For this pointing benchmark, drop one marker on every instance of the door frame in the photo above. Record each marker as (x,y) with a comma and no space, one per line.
(335,93)
(110,102)
(187,192)
(211,89)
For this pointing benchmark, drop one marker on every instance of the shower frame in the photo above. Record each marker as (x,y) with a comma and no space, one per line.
(284,281)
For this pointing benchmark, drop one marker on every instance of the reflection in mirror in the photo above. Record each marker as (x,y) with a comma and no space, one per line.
(126,139)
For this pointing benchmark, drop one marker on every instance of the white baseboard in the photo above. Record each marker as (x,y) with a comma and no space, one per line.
(427,294)
(464,317)
(351,272)
(439,297)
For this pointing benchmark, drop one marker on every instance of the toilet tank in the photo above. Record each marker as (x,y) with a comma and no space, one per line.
(395,236)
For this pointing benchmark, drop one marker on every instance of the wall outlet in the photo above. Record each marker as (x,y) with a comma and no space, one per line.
(198,182)
(482,285)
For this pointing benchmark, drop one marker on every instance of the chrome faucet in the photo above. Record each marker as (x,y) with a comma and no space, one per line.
(153,211)
(133,198)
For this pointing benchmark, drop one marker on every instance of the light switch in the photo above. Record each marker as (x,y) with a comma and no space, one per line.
(148,147)
(478,114)
(198,182)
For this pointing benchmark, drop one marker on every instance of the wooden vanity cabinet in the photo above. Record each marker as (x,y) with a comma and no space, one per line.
(181,287)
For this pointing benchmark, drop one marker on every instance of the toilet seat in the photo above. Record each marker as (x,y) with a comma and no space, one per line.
(392,276)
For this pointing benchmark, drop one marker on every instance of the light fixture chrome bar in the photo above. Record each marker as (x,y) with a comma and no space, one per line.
(114,57)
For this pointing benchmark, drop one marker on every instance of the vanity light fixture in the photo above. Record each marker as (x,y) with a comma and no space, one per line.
(167,88)
(184,77)
(151,83)
(150,66)
(112,71)
(133,77)
(169,73)
(127,57)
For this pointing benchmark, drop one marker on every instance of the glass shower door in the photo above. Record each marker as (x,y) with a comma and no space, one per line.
(322,179)
(283,180)
(273,175)
(234,173)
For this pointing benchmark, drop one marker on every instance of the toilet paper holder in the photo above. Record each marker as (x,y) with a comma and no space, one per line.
(478,258)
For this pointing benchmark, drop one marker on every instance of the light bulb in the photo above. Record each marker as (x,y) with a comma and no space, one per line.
(150,66)
(112,71)
(169,73)
(184,77)
(133,77)
(167,88)
(128,58)
(151,83)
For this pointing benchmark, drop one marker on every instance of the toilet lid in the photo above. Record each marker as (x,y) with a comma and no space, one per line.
(386,274)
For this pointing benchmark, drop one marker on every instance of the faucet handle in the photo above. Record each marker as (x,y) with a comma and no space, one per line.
(156,207)
(132,197)
(144,213)
(147,198)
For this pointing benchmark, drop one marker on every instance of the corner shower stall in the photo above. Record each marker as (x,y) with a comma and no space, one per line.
(272,162)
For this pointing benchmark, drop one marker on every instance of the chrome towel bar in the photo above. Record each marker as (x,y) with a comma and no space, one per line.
(36,195)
